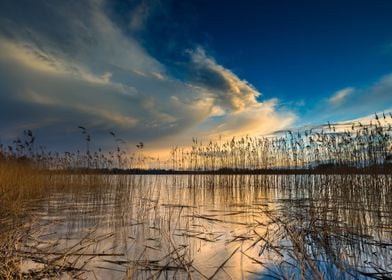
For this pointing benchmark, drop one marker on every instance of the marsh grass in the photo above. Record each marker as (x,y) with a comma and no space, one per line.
(322,227)
(22,187)
(343,229)
(327,146)
(18,181)
(339,220)
(142,227)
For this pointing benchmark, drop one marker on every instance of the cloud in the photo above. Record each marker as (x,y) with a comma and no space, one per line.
(233,106)
(77,67)
(340,96)
(230,92)
(373,98)
(350,103)
(258,120)
(139,16)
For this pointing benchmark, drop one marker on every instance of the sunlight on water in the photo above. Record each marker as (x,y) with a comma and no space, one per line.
(257,227)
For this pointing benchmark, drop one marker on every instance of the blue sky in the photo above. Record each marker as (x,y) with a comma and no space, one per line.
(163,72)
(297,51)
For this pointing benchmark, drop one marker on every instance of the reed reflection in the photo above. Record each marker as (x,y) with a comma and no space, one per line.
(203,226)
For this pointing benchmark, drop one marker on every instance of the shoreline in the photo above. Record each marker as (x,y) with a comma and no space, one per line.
(316,171)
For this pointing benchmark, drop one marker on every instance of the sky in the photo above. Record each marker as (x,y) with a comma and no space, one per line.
(165,71)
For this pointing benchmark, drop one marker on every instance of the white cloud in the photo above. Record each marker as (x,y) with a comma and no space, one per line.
(367,100)
(350,103)
(88,72)
(340,96)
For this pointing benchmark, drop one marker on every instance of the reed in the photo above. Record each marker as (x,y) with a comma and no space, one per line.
(26,177)
(326,146)
(345,145)
(28,174)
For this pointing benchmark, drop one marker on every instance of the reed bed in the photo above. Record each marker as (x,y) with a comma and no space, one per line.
(325,226)
(23,185)
(287,227)
(327,146)
(344,145)
(323,233)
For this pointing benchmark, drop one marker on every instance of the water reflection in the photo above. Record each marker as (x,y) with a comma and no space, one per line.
(261,227)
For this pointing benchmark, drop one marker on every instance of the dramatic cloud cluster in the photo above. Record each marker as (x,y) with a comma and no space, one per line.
(66,63)
(230,93)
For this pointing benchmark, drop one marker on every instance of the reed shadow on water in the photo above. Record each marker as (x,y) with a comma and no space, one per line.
(211,227)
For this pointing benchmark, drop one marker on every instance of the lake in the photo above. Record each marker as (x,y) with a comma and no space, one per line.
(217,226)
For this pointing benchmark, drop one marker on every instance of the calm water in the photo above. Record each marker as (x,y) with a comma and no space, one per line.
(239,227)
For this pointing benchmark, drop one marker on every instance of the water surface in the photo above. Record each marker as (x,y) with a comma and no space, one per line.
(239,227)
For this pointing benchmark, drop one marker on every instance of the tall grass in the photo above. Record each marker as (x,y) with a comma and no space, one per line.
(25,179)
(26,176)
(344,145)
(166,227)
(354,145)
